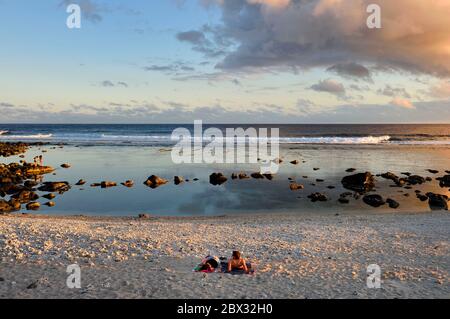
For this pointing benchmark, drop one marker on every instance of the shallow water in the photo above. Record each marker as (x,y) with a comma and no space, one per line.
(114,163)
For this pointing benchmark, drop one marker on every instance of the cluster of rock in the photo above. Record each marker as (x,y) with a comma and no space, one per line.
(12,149)
(18,181)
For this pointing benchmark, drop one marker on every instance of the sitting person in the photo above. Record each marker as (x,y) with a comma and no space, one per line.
(237,263)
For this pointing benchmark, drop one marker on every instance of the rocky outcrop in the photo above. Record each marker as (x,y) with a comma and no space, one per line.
(81,182)
(55,187)
(362,182)
(296,187)
(374,200)
(178,180)
(108,184)
(33,206)
(217,179)
(437,201)
(444,181)
(318,197)
(392,203)
(128,183)
(155,181)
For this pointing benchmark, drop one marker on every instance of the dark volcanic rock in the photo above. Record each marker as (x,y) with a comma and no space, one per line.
(81,182)
(444,181)
(351,170)
(433,171)
(155,181)
(390,176)
(362,182)
(296,162)
(128,183)
(416,179)
(296,187)
(423,198)
(318,197)
(178,180)
(66,165)
(33,206)
(53,187)
(344,200)
(269,176)
(108,184)
(257,176)
(374,200)
(437,201)
(217,179)
(49,196)
(243,176)
(392,203)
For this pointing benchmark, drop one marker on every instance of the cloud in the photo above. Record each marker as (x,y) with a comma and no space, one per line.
(173,68)
(440,90)
(352,71)
(173,112)
(402,103)
(394,92)
(108,84)
(324,33)
(329,86)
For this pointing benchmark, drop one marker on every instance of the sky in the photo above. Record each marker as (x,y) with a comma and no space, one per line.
(225,61)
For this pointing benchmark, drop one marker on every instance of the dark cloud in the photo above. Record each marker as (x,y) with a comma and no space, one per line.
(329,86)
(394,92)
(326,33)
(352,71)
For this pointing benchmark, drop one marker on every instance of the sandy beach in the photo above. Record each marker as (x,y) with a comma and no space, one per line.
(296,256)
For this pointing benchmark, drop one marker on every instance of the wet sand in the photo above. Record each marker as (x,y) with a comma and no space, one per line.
(308,255)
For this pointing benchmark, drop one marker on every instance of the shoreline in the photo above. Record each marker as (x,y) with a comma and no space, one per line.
(296,256)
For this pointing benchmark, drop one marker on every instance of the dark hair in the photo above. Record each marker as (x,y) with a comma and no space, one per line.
(236,254)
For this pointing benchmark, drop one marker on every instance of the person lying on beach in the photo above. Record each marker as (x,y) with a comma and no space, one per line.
(237,263)
(208,265)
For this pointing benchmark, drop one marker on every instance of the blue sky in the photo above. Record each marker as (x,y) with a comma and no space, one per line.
(234,61)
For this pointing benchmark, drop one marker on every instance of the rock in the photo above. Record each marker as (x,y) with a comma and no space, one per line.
(53,187)
(331,187)
(344,200)
(444,181)
(96,185)
(316,169)
(49,196)
(437,201)
(433,171)
(415,179)
(295,186)
(50,204)
(392,203)
(66,165)
(25,196)
(423,198)
(390,176)
(128,183)
(269,176)
(81,182)
(318,197)
(234,176)
(320,180)
(374,200)
(178,180)
(406,174)
(107,184)
(351,170)
(296,162)
(217,179)
(33,206)
(362,182)
(155,181)
(12,149)
(257,176)
(38,170)
(30,184)
(144,216)
(243,176)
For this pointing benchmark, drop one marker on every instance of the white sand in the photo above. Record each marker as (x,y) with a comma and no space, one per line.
(305,256)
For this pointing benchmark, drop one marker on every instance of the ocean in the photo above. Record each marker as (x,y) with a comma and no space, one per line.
(135,152)
(160,134)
